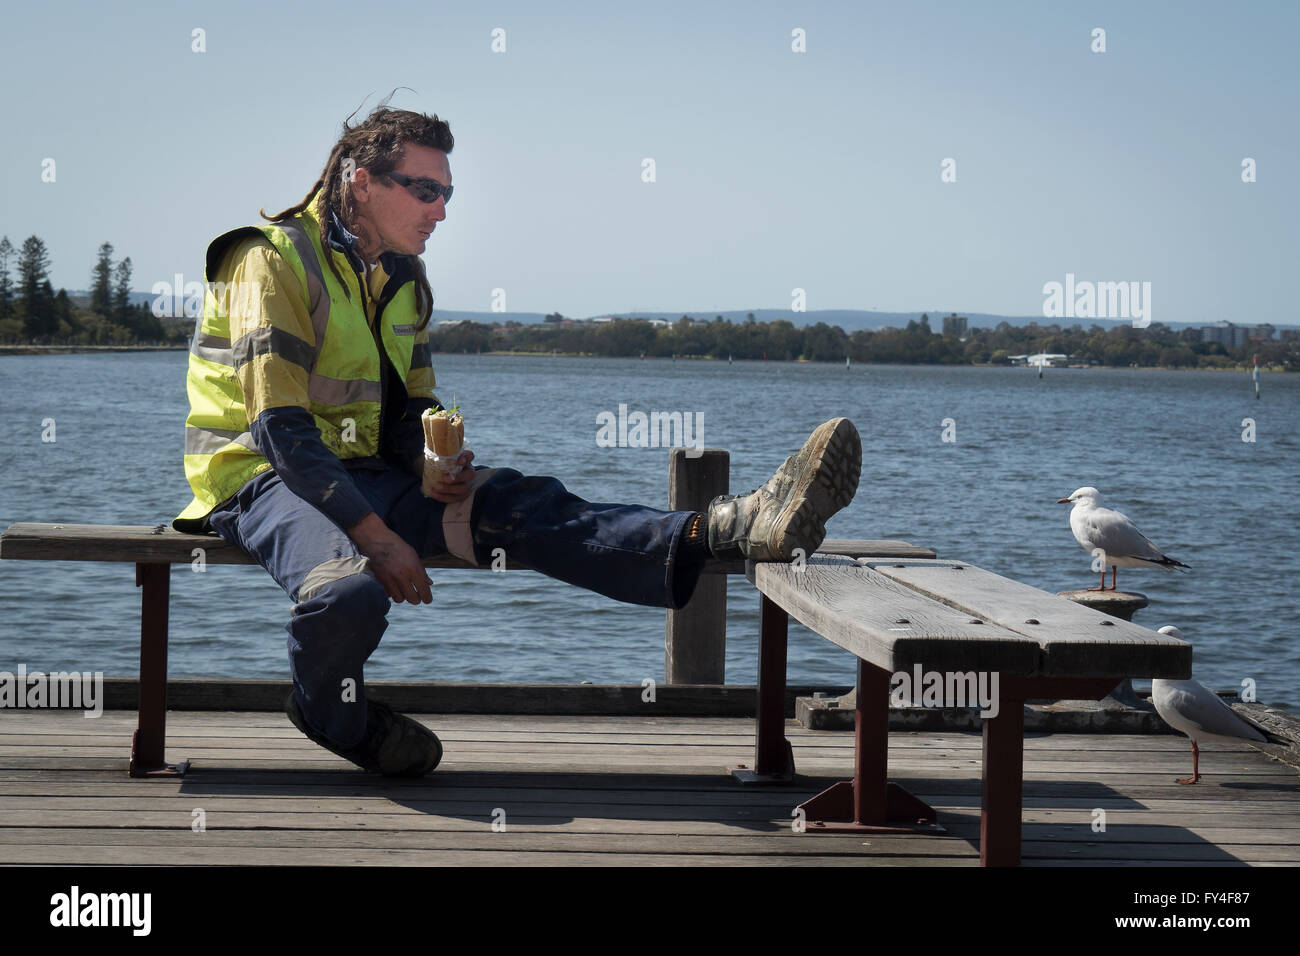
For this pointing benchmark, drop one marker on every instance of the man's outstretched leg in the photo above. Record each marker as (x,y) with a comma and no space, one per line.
(641,555)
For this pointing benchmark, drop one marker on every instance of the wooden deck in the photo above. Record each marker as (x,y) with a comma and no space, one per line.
(610,791)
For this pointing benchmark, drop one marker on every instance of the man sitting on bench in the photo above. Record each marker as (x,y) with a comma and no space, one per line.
(303,445)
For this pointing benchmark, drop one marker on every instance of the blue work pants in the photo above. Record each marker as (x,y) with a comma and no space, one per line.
(626,552)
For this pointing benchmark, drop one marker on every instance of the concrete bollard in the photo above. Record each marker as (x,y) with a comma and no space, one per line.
(1123,605)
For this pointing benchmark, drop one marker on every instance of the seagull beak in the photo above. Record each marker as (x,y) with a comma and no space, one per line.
(1062,501)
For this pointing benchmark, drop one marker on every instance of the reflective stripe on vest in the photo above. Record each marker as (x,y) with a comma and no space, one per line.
(317,299)
(209,441)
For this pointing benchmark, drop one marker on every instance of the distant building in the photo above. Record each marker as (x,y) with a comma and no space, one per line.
(954,325)
(448,323)
(1049,359)
(1220,333)
(1233,336)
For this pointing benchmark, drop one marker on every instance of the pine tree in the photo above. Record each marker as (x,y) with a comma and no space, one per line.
(6,281)
(63,309)
(121,307)
(33,281)
(49,309)
(100,281)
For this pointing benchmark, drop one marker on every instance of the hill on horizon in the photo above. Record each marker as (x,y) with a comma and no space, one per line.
(850,320)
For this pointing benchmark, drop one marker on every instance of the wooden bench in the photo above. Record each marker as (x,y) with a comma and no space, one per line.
(947,617)
(154,550)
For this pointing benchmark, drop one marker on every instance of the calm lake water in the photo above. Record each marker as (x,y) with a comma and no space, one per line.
(1166,448)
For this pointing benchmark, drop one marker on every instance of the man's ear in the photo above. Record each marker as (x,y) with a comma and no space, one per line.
(361,185)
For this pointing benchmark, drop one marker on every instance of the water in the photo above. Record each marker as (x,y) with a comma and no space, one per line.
(1164,447)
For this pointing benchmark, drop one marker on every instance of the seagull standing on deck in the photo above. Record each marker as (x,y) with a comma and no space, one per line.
(1119,540)
(1197,711)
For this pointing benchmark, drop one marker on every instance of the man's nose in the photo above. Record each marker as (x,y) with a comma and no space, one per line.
(440,209)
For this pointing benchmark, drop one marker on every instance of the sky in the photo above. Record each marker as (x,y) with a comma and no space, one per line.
(774,169)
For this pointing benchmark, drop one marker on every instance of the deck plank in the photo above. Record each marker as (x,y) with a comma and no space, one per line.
(608,791)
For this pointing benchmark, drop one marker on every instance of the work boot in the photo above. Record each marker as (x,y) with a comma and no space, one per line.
(791,509)
(394,744)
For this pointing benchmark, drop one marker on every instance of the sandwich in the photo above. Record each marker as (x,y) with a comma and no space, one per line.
(444,439)
(444,431)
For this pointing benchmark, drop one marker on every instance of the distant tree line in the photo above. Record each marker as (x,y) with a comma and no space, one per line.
(32,313)
(781,340)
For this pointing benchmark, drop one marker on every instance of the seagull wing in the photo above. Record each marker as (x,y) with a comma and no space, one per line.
(1115,534)
(1197,711)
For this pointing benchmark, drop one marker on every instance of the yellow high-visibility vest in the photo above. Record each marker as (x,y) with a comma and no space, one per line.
(310,345)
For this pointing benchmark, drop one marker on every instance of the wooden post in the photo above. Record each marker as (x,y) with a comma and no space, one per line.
(695,638)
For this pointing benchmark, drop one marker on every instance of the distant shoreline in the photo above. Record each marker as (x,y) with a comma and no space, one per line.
(705,358)
(93,349)
(73,349)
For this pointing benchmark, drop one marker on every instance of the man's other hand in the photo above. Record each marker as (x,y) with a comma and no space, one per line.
(394,562)
(451,488)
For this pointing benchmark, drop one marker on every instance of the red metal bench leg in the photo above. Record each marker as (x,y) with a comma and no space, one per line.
(871,745)
(773,756)
(870,803)
(150,739)
(1003,769)
(1004,758)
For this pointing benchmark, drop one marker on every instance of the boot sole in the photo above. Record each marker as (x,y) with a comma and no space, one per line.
(429,762)
(371,765)
(295,717)
(826,487)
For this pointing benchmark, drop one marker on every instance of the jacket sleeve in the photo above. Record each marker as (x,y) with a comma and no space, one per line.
(274,347)
(407,438)
(420,380)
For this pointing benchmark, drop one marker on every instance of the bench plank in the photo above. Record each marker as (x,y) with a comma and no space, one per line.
(137,544)
(862,611)
(142,544)
(1076,641)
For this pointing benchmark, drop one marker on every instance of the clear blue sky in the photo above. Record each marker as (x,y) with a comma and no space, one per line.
(775,169)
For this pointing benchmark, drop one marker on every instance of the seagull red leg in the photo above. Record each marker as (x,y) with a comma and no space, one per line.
(1196,766)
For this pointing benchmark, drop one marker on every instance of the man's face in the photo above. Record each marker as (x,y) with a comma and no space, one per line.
(399,222)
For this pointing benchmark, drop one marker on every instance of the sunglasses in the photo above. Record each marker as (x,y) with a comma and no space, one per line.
(423,189)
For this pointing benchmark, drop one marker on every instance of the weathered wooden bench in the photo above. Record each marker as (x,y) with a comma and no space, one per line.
(948,617)
(154,550)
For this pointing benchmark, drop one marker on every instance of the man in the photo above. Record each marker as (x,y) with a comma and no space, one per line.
(307,377)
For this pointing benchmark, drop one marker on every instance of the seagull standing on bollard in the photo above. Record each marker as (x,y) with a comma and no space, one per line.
(1197,711)
(1119,540)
